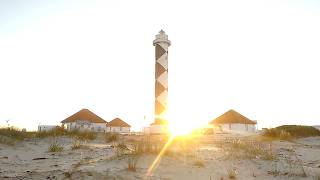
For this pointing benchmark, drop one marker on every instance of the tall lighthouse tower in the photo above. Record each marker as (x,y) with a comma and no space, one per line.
(161,44)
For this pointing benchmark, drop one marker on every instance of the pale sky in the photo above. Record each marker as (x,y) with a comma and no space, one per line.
(260,58)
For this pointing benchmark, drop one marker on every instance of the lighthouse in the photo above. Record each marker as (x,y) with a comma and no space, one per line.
(161,44)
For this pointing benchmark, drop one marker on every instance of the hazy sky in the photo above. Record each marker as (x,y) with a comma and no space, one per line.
(260,58)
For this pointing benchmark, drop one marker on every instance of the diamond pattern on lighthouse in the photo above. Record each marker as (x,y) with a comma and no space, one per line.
(162,98)
(159,109)
(159,70)
(163,79)
(160,88)
(163,61)
(159,51)
(161,44)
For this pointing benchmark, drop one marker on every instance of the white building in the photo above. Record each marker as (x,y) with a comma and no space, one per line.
(157,127)
(232,121)
(84,120)
(118,126)
(42,128)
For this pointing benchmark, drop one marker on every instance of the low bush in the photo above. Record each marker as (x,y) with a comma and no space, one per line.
(287,132)
(300,131)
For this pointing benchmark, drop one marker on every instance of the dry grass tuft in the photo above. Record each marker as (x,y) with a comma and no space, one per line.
(55,147)
(68,174)
(132,163)
(111,137)
(284,135)
(77,144)
(239,149)
(121,149)
(199,163)
(232,173)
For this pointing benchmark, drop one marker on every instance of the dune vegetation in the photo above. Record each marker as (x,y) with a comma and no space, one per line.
(288,132)
(11,135)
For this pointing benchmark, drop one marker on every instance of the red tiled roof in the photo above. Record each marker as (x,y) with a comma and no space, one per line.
(117,122)
(232,117)
(84,114)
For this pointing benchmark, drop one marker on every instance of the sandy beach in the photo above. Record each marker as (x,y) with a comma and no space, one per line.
(30,159)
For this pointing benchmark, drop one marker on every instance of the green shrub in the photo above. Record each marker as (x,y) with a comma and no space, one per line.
(300,131)
(287,132)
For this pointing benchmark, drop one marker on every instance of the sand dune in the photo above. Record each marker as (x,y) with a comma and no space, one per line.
(30,159)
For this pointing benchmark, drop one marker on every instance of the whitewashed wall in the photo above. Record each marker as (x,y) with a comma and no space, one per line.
(118,129)
(87,126)
(239,127)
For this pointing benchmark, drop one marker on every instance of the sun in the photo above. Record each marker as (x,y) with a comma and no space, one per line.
(179,129)
(180,125)
(184,124)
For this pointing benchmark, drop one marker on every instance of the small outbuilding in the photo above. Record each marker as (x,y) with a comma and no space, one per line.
(234,121)
(85,120)
(117,125)
(45,128)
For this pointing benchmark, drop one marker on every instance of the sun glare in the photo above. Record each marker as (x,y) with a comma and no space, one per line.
(179,129)
(179,125)
(182,120)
